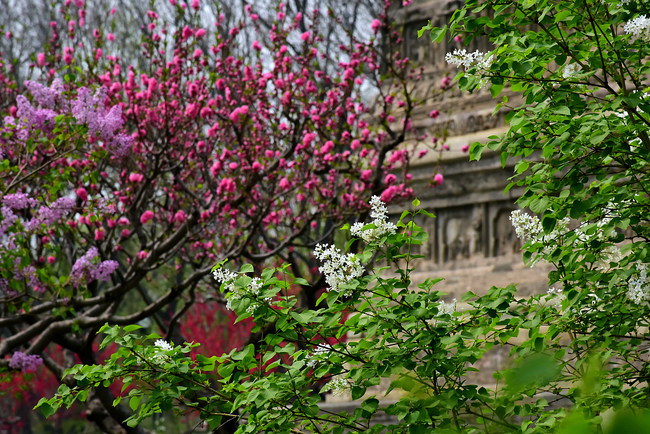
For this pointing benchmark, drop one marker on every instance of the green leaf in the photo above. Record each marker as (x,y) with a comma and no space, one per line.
(246,268)
(539,204)
(46,408)
(134,402)
(437,34)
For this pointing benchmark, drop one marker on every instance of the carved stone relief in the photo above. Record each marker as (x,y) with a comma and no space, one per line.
(505,238)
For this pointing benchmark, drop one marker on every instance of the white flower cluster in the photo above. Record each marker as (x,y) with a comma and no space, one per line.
(163,345)
(317,356)
(482,61)
(228,278)
(380,219)
(160,346)
(339,269)
(529,228)
(556,297)
(639,286)
(337,385)
(447,308)
(571,70)
(638,27)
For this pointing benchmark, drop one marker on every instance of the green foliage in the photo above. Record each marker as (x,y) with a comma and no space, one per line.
(573,81)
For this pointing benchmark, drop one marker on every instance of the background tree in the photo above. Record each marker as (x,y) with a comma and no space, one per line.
(122,185)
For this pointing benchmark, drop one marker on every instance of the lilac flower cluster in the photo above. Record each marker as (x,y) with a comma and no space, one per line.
(47,97)
(85,268)
(30,118)
(27,273)
(19,201)
(25,362)
(53,213)
(8,219)
(90,109)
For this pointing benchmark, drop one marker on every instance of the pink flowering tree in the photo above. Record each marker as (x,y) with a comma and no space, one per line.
(121,188)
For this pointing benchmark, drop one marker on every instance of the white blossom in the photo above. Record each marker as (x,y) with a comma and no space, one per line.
(570,70)
(447,308)
(383,226)
(163,345)
(529,228)
(556,297)
(638,27)
(482,61)
(318,355)
(227,278)
(337,385)
(339,269)
(639,286)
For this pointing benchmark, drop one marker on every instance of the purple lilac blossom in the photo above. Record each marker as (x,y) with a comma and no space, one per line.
(42,119)
(104,270)
(88,109)
(8,219)
(84,267)
(25,362)
(120,145)
(56,210)
(19,201)
(111,121)
(46,96)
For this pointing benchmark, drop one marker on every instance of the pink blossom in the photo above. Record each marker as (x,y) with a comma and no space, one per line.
(389,179)
(197,53)
(100,234)
(196,5)
(389,194)
(51,259)
(434,114)
(82,194)
(422,153)
(123,221)
(256,166)
(233,166)
(465,148)
(110,37)
(438,179)
(327,147)
(146,216)
(376,25)
(40,58)
(192,110)
(366,175)
(187,32)
(256,45)
(136,177)
(304,36)
(284,183)
(125,233)
(356,144)
(180,216)
(200,33)
(142,255)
